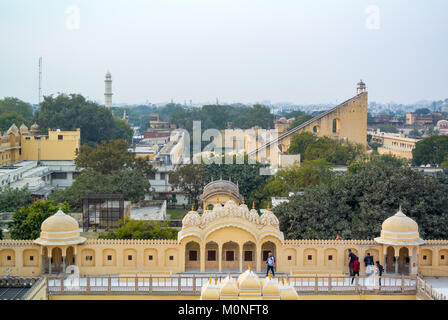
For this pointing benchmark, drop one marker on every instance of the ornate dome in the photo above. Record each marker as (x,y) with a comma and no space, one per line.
(23,129)
(249,283)
(269,218)
(210,292)
(191,219)
(35,129)
(59,229)
(399,229)
(221,187)
(13,129)
(229,289)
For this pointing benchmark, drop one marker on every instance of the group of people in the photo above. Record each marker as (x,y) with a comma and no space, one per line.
(354,266)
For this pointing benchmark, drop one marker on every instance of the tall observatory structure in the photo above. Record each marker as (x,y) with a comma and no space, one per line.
(108,90)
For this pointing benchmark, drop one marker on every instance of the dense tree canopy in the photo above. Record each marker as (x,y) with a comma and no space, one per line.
(354,205)
(108,168)
(300,120)
(26,221)
(311,147)
(133,229)
(292,179)
(189,178)
(218,116)
(12,199)
(390,128)
(69,112)
(432,150)
(240,171)
(17,106)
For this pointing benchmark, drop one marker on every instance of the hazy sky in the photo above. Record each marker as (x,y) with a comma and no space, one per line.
(309,51)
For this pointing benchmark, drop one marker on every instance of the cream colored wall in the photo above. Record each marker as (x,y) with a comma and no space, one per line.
(292,255)
(51,148)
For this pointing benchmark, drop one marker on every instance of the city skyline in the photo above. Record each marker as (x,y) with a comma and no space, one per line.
(304,53)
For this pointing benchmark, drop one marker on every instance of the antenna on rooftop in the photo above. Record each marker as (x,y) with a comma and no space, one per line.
(40,80)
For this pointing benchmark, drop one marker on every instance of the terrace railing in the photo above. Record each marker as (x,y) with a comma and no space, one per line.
(192,284)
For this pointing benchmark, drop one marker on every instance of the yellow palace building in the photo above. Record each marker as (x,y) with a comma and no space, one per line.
(227,236)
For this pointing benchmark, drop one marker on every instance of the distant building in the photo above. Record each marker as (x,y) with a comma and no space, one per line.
(23,144)
(40,178)
(394,144)
(422,119)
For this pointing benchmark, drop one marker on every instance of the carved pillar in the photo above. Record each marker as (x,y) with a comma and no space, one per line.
(385,263)
(219,257)
(396,264)
(258,258)
(240,248)
(202,257)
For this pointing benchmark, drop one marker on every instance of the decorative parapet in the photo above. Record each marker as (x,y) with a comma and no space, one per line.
(10,242)
(436,242)
(131,242)
(329,242)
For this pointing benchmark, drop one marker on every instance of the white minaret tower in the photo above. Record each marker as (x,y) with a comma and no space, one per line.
(108,90)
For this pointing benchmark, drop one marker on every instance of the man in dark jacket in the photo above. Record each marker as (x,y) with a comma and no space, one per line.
(380,270)
(368,260)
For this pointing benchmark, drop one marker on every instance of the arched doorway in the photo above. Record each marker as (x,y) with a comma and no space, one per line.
(403,261)
(249,255)
(211,256)
(56,260)
(45,260)
(230,256)
(192,256)
(390,260)
(70,256)
(267,247)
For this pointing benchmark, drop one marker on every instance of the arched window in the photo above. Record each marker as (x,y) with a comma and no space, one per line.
(336,125)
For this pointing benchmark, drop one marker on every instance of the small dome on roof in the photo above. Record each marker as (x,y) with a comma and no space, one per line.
(191,219)
(23,128)
(13,129)
(399,229)
(35,129)
(59,229)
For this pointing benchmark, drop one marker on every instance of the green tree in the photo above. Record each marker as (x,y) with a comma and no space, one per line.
(12,199)
(300,120)
(390,128)
(133,229)
(9,118)
(353,205)
(240,171)
(292,179)
(300,141)
(190,178)
(26,221)
(106,157)
(311,147)
(422,111)
(69,112)
(14,105)
(108,168)
(432,150)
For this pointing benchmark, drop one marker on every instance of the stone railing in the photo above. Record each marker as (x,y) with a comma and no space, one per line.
(427,292)
(329,242)
(131,242)
(192,284)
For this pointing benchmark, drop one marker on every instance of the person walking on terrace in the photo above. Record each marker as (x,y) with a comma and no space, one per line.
(270,262)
